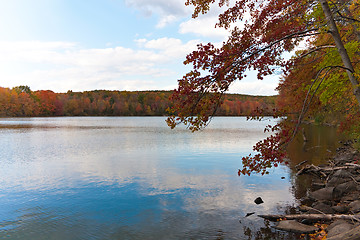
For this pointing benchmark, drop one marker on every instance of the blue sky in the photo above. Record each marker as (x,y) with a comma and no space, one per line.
(80,45)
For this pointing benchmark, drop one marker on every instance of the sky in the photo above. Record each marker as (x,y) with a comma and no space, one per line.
(79,45)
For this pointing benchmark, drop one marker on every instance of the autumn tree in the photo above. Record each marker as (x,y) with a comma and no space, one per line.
(270,28)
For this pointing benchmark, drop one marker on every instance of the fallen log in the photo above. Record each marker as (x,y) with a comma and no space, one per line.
(311,169)
(325,170)
(298,165)
(315,217)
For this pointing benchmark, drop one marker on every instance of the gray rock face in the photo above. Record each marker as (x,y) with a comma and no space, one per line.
(322,194)
(352,234)
(341,209)
(339,177)
(355,206)
(343,189)
(295,227)
(322,208)
(350,197)
(338,227)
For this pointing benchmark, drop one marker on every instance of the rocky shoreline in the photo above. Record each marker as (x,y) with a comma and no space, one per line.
(332,209)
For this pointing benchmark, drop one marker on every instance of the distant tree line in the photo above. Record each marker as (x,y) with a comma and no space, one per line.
(22,102)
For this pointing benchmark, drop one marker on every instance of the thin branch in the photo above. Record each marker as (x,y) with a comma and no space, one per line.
(290,36)
(312,50)
(306,105)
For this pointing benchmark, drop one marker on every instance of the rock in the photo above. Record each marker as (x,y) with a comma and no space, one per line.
(335,223)
(342,173)
(352,234)
(258,200)
(322,194)
(351,197)
(295,227)
(322,208)
(341,209)
(340,176)
(317,185)
(334,181)
(343,189)
(355,206)
(249,214)
(338,227)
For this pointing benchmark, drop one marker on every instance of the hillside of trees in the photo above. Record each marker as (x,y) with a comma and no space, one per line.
(22,102)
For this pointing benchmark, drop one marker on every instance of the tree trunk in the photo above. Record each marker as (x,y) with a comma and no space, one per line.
(342,51)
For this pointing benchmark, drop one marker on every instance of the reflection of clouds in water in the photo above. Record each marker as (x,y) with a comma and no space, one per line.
(189,173)
(204,190)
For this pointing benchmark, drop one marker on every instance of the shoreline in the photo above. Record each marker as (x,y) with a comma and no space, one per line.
(332,209)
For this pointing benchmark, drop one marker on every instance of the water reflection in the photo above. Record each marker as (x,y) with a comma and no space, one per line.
(133,178)
(320,144)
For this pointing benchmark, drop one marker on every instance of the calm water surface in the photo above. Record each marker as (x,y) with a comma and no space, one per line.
(134,178)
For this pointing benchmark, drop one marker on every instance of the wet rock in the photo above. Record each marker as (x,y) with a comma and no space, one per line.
(338,227)
(355,206)
(258,200)
(295,227)
(322,194)
(343,189)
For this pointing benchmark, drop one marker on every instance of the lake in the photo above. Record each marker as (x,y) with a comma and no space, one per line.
(134,178)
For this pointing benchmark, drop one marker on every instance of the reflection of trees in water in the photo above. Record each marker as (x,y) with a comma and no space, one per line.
(321,144)
(268,233)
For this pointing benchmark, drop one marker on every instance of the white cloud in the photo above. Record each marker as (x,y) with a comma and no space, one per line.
(255,87)
(171,47)
(166,20)
(61,66)
(169,11)
(203,26)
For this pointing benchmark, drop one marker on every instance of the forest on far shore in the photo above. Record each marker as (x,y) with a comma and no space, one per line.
(21,101)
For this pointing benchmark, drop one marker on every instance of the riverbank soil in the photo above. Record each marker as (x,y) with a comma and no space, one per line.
(331,209)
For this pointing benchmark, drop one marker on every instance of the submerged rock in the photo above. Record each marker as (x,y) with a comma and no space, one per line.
(258,200)
(249,214)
